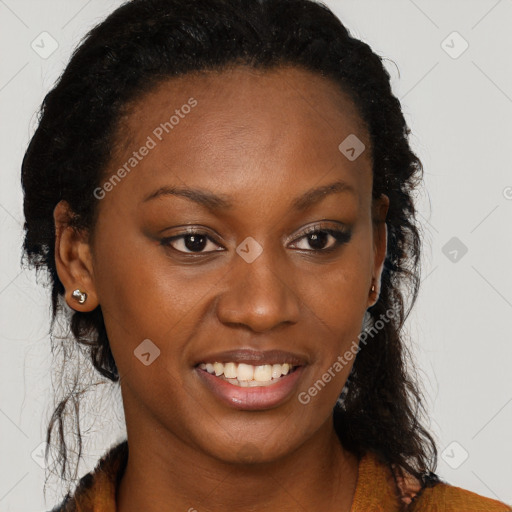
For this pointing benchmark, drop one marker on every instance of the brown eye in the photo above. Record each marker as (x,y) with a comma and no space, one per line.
(322,239)
(190,243)
(319,240)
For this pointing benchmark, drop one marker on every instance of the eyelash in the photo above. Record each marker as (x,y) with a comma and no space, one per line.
(340,236)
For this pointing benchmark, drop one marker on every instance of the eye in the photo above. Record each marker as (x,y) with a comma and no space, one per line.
(192,242)
(318,239)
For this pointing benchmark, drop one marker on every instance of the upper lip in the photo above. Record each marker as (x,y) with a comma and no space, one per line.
(255,357)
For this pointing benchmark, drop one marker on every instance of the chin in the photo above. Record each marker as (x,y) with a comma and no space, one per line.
(245,452)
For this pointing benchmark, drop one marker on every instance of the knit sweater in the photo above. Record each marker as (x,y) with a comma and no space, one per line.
(379,488)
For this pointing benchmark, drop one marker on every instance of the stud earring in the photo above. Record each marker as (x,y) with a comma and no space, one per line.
(79,296)
(373,288)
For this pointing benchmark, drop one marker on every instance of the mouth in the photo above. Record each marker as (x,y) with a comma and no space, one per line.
(251,380)
(247,375)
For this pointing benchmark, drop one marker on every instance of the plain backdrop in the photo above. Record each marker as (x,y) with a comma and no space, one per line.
(451,68)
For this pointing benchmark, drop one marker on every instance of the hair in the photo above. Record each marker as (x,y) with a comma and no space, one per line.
(146,42)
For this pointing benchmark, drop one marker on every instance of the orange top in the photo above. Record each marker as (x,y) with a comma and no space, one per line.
(376,490)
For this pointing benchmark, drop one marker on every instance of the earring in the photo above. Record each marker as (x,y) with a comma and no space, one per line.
(79,296)
(373,288)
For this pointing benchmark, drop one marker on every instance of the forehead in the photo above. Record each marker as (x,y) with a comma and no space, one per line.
(262,123)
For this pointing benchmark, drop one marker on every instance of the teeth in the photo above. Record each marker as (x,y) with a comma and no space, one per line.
(230,371)
(218,368)
(263,373)
(247,374)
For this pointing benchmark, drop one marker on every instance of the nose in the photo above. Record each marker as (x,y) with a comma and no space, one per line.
(258,295)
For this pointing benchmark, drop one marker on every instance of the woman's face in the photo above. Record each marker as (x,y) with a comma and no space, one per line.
(249,161)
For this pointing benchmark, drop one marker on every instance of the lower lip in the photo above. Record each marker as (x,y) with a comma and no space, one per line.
(252,398)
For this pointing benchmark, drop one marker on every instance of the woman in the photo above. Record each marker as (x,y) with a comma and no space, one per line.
(221,192)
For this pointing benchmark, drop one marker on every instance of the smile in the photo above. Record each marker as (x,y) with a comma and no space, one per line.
(248,375)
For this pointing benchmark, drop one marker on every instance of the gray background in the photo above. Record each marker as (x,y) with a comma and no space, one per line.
(459,107)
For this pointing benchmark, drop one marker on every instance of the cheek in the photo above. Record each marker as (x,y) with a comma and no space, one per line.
(337,294)
(144,296)
(336,298)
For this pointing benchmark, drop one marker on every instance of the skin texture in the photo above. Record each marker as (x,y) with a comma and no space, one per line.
(260,139)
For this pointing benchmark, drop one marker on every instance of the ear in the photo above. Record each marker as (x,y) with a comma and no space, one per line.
(73,259)
(380,239)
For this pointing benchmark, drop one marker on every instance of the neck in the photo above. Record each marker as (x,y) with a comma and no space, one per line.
(163,473)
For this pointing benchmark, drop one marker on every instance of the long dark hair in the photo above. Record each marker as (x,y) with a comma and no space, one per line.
(145,42)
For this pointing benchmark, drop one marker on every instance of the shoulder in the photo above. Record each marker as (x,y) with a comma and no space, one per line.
(99,486)
(69,504)
(444,497)
(440,496)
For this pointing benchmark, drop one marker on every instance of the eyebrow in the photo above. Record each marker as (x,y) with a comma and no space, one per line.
(213,201)
(202,197)
(313,196)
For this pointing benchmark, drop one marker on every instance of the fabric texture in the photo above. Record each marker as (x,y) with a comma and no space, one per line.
(380,488)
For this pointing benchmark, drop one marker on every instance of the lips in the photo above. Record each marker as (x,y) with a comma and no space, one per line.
(255,357)
(251,379)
